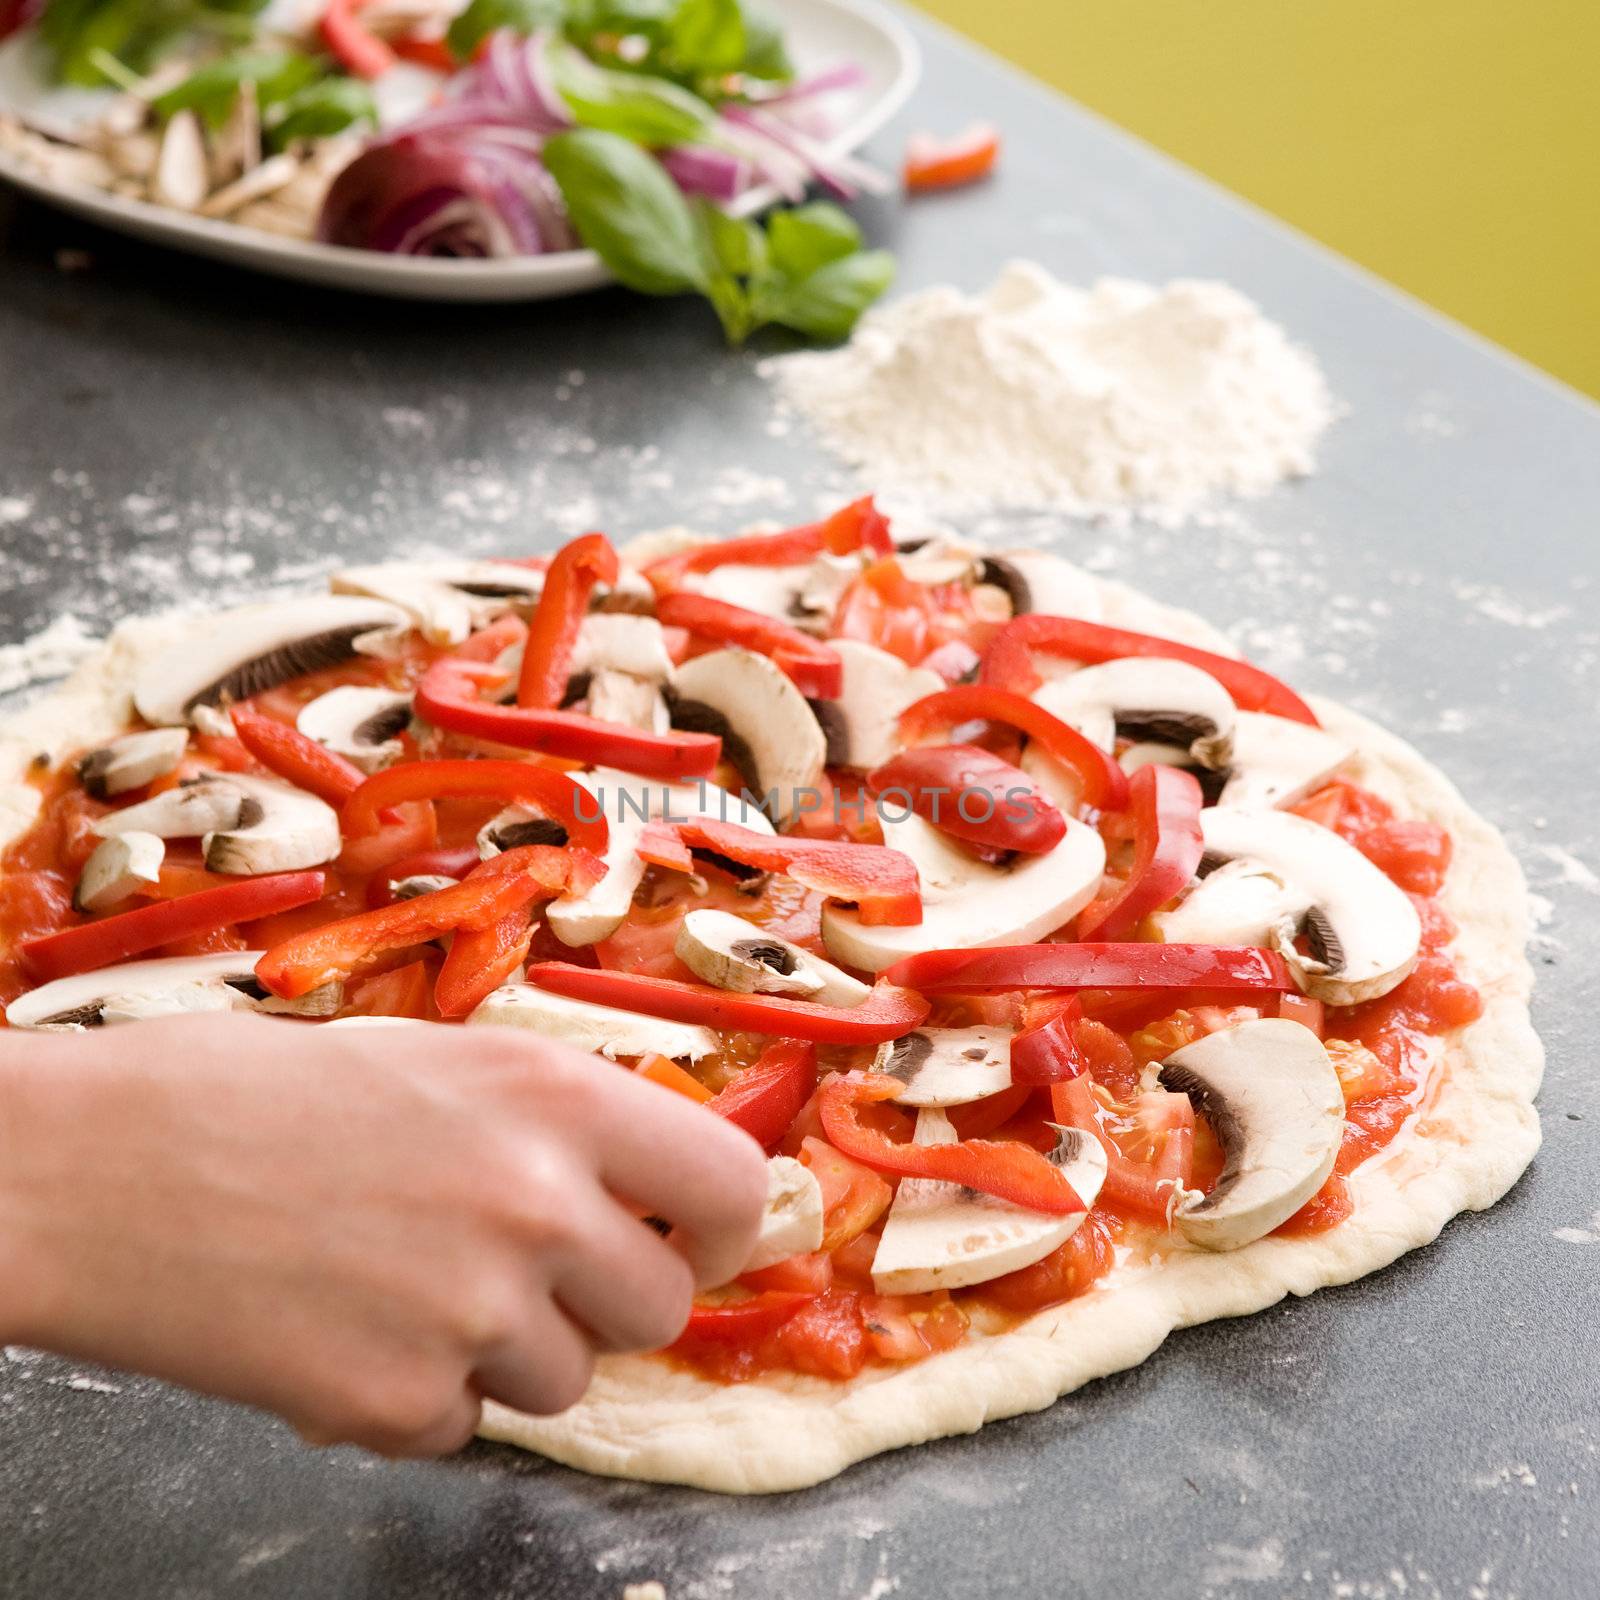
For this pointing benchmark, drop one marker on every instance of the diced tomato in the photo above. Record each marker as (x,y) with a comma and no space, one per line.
(807,1274)
(403,992)
(1327,1208)
(1148,1153)
(853,1196)
(413,830)
(1063,1275)
(1109,1058)
(826,1337)
(1303,1009)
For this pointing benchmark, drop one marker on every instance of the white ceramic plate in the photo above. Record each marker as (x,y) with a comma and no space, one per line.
(820,33)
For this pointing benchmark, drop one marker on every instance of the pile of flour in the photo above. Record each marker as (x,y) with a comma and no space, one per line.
(1120,399)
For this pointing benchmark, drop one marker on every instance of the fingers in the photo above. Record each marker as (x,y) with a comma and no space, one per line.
(544,1369)
(626,1286)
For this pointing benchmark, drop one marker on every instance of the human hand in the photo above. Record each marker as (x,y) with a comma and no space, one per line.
(366,1231)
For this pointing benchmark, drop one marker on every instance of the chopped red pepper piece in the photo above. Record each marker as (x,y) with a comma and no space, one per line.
(972,794)
(579,567)
(933,163)
(1007,1169)
(886,1013)
(1047,1052)
(816,669)
(1093,966)
(131,933)
(857,526)
(552,792)
(1007,662)
(356,48)
(294,757)
(1105,785)
(480,960)
(660,845)
(882,883)
(766,1098)
(498,888)
(743,1321)
(1164,805)
(447,696)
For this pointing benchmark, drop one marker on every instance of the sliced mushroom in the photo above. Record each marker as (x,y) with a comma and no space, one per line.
(1152,701)
(967,902)
(420,883)
(117,867)
(279,829)
(446,599)
(945,1236)
(629,701)
(791,1224)
(605,1029)
(860,726)
(236,654)
(275,173)
(1287,877)
(1035,581)
(622,641)
(181,179)
(1273,1100)
(768,729)
(361,724)
(947,1066)
(137,990)
(132,761)
(940,558)
(236,145)
(516,826)
(803,595)
(725,950)
(1277,761)
(202,805)
(627,802)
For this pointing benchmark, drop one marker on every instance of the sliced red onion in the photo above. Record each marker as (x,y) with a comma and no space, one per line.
(839,173)
(700,169)
(847,75)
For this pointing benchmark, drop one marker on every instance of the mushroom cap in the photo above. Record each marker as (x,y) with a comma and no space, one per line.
(1277,760)
(769,730)
(132,761)
(622,641)
(1293,875)
(186,983)
(947,1066)
(116,867)
(607,1030)
(1146,698)
(358,722)
(252,648)
(281,829)
(1275,1105)
(791,1224)
(726,950)
(1036,581)
(445,599)
(943,1236)
(861,726)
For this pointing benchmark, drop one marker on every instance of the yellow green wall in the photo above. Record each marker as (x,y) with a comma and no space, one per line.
(1453,146)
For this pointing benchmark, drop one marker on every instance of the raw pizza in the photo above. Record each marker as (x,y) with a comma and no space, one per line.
(1081,980)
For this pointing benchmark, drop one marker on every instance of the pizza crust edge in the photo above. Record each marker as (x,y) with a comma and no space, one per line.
(644,1420)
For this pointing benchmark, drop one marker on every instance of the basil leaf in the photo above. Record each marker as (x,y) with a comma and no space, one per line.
(809,237)
(765,54)
(706,37)
(322,109)
(483,17)
(651,111)
(212,89)
(827,304)
(734,245)
(627,210)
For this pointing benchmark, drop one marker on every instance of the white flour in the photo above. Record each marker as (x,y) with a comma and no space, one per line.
(1119,399)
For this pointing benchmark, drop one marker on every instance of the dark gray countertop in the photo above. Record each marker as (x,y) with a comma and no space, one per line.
(168,428)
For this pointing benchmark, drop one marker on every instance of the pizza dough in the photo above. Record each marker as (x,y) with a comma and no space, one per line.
(1473,1138)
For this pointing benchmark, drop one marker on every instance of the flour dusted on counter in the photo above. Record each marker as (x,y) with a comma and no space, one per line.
(1119,399)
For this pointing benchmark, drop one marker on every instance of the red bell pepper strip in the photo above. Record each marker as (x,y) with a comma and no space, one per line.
(1007,1169)
(816,670)
(452,862)
(660,846)
(886,1013)
(1164,804)
(948,163)
(1093,966)
(743,1321)
(970,793)
(434,53)
(552,792)
(881,883)
(578,568)
(354,46)
(1105,785)
(766,1098)
(447,697)
(982,1117)
(131,933)
(480,960)
(1007,662)
(294,757)
(336,949)
(1048,1052)
(857,526)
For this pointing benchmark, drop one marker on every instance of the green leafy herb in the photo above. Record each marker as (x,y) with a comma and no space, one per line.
(648,110)
(484,17)
(137,33)
(212,89)
(706,37)
(805,271)
(322,109)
